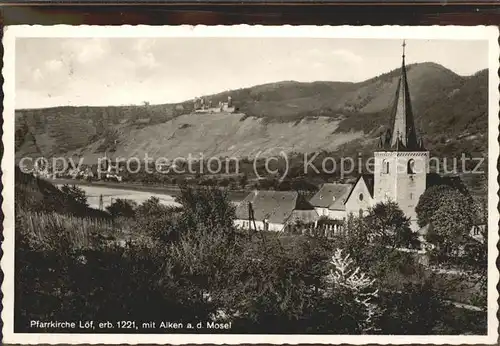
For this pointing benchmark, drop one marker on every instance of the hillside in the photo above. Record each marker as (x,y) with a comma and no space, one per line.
(38,195)
(450,111)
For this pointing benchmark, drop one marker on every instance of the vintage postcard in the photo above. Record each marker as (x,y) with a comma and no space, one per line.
(250,184)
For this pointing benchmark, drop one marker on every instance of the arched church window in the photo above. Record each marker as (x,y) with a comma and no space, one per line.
(411,166)
(361,196)
(385,167)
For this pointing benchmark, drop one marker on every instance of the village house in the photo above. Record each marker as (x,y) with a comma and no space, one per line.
(110,169)
(329,201)
(273,210)
(335,201)
(303,218)
(95,166)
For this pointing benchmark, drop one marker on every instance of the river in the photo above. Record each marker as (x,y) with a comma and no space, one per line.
(134,192)
(109,194)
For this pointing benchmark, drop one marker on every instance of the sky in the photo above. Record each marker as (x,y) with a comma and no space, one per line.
(123,71)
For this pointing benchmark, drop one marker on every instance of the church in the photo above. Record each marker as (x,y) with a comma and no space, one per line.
(400,174)
(399,171)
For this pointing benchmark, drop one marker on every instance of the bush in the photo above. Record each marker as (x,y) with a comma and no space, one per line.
(122,207)
(102,285)
(157,220)
(417,309)
(206,208)
(199,268)
(75,193)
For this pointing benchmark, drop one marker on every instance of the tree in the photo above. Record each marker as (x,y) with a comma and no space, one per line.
(75,193)
(356,236)
(429,202)
(388,225)
(206,208)
(451,223)
(432,198)
(122,207)
(347,279)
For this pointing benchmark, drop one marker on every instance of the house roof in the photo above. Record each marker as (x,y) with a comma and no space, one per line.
(305,216)
(275,206)
(332,196)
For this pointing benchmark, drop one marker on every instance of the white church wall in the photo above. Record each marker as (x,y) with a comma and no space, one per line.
(384,176)
(396,183)
(410,186)
(360,198)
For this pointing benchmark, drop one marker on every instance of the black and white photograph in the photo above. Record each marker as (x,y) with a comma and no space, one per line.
(250,184)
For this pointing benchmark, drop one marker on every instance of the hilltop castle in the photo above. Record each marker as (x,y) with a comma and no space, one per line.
(200,105)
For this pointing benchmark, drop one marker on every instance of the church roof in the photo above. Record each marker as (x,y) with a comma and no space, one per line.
(331,196)
(275,206)
(369,182)
(402,135)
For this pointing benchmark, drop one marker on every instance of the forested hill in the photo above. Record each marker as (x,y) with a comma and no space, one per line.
(450,112)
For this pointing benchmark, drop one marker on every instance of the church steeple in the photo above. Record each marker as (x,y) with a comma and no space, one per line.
(401,164)
(402,134)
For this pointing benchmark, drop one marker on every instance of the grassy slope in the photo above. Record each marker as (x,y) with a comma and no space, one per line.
(280,115)
(39,195)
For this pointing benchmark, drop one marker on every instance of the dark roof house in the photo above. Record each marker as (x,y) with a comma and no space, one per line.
(304,212)
(303,216)
(332,196)
(273,206)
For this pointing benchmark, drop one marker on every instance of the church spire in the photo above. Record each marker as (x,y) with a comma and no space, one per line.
(403,134)
(404,45)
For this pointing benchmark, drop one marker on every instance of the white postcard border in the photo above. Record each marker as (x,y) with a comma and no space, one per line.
(396,32)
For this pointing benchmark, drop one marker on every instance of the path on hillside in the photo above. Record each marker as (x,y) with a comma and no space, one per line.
(465,306)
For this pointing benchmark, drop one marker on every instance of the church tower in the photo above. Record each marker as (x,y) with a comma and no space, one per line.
(401,161)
